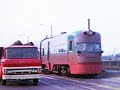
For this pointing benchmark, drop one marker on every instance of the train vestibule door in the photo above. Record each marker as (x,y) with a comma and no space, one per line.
(48,56)
(71,48)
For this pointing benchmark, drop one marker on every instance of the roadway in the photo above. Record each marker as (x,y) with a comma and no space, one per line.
(105,81)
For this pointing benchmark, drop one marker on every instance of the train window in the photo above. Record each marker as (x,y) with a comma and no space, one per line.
(51,50)
(70,47)
(57,49)
(97,47)
(65,48)
(81,47)
(54,50)
(45,52)
(62,50)
(90,47)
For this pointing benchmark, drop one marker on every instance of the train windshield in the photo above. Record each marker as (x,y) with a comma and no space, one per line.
(21,53)
(89,47)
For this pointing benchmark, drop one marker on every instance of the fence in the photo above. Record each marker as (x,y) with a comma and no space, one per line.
(111,65)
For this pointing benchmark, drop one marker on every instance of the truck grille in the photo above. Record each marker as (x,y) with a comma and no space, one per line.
(22,71)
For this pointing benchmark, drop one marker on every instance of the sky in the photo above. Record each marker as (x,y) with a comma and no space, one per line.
(31,20)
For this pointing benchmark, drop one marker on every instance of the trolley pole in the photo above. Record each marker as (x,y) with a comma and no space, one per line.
(89,24)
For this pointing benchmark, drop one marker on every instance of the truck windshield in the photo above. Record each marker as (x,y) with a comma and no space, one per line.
(89,47)
(21,53)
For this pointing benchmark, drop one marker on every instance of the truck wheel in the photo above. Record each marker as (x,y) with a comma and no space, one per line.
(3,82)
(45,70)
(35,81)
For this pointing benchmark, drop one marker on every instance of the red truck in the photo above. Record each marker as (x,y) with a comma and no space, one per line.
(20,62)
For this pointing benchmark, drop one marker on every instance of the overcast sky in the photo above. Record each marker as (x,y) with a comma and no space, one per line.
(21,19)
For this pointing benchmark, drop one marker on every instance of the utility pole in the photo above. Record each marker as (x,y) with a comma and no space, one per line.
(51,29)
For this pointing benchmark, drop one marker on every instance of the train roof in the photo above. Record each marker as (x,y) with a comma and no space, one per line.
(73,34)
(78,32)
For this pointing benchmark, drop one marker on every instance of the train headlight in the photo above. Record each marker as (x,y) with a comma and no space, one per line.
(85,33)
(89,33)
(93,33)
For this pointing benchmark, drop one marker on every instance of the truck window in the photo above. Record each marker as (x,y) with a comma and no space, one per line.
(21,52)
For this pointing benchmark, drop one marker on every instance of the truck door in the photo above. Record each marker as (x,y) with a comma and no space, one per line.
(1,49)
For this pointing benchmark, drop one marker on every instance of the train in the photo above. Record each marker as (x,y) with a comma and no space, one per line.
(72,54)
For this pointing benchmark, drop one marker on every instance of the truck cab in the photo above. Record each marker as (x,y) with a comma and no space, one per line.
(20,62)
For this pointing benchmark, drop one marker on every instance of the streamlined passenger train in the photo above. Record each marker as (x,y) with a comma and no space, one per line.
(75,53)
